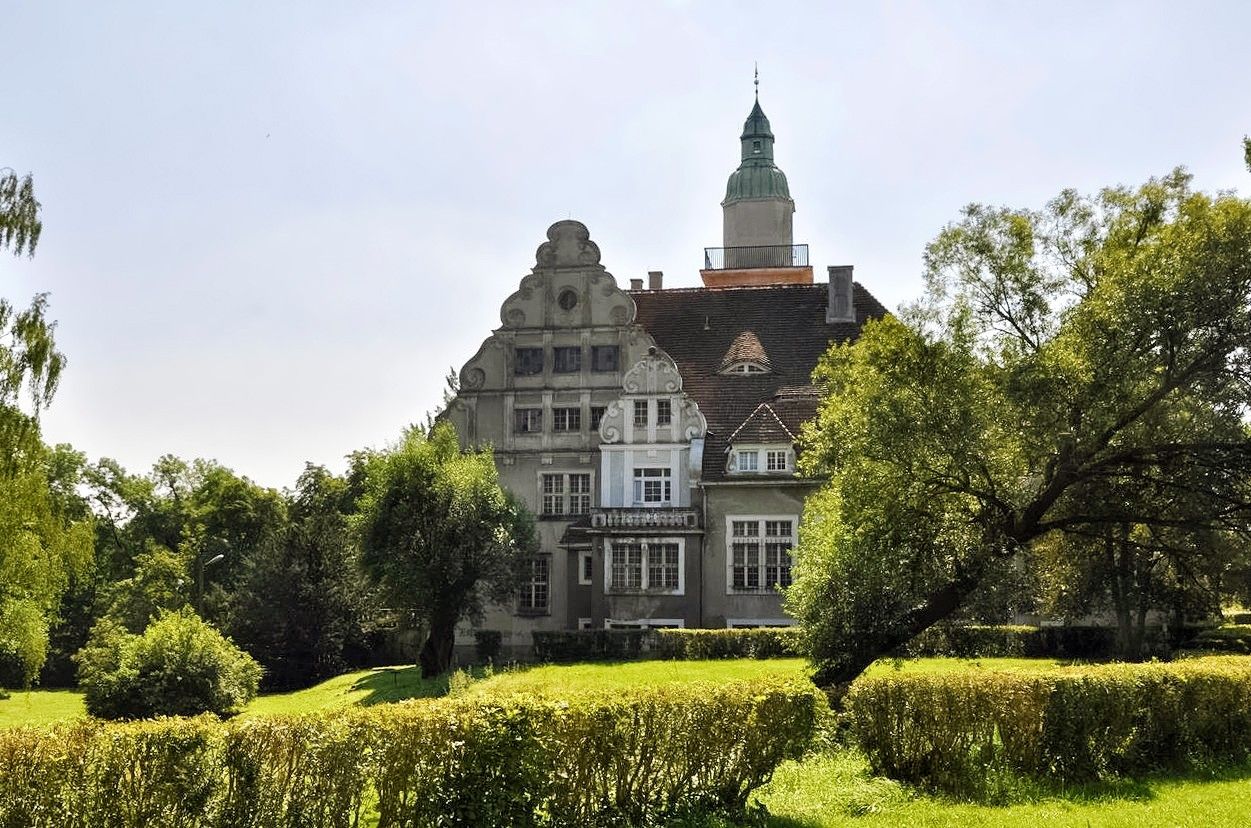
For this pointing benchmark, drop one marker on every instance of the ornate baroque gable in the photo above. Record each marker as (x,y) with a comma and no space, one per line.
(655,375)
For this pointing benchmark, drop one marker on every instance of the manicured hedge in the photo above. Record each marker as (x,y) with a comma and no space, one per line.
(976,641)
(557,646)
(1232,638)
(761,642)
(953,730)
(629,759)
(621,645)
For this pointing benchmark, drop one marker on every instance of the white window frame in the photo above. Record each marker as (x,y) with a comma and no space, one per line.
(610,553)
(638,487)
(777,460)
(643,407)
(746,368)
(530,585)
(762,551)
(528,411)
(644,623)
(566,412)
(761,452)
(566,493)
(586,578)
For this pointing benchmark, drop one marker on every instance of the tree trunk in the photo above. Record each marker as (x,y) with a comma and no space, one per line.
(837,677)
(436,654)
(1123,585)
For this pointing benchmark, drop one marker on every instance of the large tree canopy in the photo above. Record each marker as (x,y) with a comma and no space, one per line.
(1069,369)
(440,533)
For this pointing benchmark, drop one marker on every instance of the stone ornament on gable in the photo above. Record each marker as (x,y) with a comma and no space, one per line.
(612,424)
(568,245)
(655,373)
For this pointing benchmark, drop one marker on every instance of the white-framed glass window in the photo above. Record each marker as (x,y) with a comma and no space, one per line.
(565,493)
(535,585)
(645,565)
(653,486)
(527,420)
(773,458)
(758,553)
(664,412)
(586,568)
(567,419)
(640,414)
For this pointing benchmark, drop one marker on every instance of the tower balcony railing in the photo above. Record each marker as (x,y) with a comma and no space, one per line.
(642,517)
(745,258)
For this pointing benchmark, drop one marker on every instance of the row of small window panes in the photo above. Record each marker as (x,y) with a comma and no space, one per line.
(566,494)
(566,359)
(645,566)
(757,566)
(749,461)
(564,418)
(642,413)
(535,585)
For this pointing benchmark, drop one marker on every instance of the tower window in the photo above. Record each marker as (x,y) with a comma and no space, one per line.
(755,146)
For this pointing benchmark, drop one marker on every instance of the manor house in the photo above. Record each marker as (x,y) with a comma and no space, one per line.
(653,431)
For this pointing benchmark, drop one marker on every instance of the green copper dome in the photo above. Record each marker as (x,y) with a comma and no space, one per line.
(757,176)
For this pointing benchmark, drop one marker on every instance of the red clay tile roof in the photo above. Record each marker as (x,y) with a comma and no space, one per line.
(746,347)
(697,326)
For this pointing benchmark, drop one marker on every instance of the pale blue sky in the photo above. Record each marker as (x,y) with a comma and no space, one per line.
(271,227)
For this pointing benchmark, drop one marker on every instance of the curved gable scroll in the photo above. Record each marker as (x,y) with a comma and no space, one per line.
(655,373)
(568,287)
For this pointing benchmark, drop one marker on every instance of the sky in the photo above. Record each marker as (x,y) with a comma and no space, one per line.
(271,228)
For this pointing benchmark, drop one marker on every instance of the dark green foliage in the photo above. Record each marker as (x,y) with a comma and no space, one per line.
(1233,638)
(632,759)
(954,731)
(439,533)
(563,646)
(179,666)
(488,643)
(764,642)
(19,213)
(303,602)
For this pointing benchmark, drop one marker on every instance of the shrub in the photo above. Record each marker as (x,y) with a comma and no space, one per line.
(1232,638)
(488,643)
(635,758)
(180,666)
(952,731)
(591,645)
(975,641)
(762,642)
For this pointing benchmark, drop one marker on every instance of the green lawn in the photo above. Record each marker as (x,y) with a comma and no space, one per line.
(395,683)
(837,791)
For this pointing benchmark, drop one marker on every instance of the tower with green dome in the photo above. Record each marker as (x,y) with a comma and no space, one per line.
(758,208)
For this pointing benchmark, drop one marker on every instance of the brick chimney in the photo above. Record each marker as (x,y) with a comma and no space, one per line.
(842,305)
(655,279)
(636,284)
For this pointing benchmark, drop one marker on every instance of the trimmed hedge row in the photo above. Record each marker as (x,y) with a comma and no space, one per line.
(621,645)
(1232,638)
(627,760)
(760,642)
(951,731)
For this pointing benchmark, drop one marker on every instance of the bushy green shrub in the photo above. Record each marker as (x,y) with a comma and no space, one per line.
(631,759)
(179,666)
(952,730)
(557,646)
(1231,638)
(977,641)
(762,642)
(487,644)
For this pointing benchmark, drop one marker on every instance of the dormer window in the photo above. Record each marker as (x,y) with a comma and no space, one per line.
(761,459)
(746,369)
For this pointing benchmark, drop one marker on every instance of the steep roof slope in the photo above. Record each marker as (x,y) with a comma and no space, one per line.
(698,326)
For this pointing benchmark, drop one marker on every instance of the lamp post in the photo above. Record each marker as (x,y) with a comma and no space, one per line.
(202,565)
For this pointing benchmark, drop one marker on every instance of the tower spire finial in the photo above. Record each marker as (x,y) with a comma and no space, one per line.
(757,81)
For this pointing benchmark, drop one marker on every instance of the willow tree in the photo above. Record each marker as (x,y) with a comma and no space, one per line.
(440,534)
(1098,345)
(41,546)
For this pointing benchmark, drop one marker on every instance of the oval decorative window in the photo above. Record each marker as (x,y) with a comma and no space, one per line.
(567,299)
